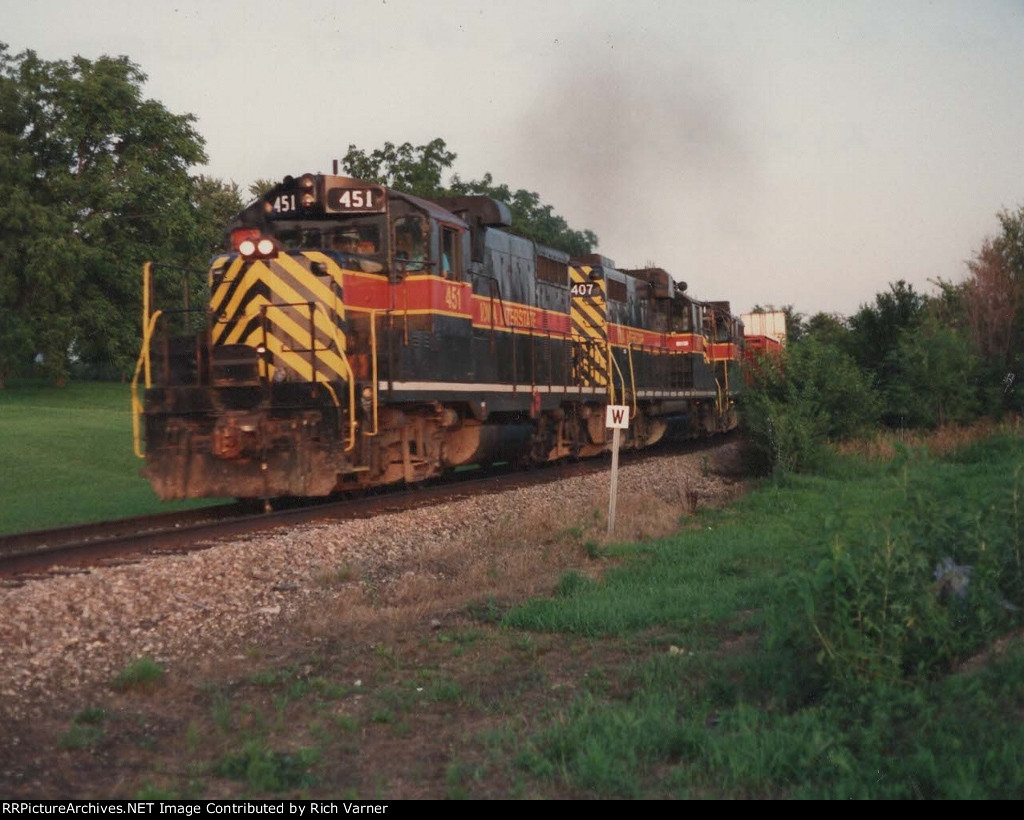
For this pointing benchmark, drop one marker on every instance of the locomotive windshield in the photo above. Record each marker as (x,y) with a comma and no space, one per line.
(362,235)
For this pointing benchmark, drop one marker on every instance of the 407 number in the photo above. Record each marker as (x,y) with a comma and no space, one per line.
(582,289)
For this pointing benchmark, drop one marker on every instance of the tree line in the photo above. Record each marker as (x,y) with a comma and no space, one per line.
(905,361)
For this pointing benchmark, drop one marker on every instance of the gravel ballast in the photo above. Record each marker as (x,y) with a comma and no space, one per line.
(67,632)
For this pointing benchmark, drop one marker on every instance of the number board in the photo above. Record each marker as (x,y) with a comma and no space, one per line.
(284,204)
(355,200)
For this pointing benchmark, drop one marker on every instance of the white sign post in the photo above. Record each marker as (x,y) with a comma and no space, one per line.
(617,418)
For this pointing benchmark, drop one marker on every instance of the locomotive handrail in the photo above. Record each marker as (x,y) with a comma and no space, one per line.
(632,376)
(143,363)
(373,363)
(611,379)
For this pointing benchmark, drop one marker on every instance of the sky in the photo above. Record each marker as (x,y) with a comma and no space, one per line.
(769,153)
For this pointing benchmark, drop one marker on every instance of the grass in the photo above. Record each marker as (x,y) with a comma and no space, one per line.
(69,457)
(815,710)
(141,674)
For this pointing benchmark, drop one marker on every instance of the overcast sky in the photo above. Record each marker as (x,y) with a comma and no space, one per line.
(783,152)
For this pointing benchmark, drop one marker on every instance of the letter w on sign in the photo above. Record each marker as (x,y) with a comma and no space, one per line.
(616,417)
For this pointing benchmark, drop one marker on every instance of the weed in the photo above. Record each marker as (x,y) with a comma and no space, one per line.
(486,611)
(265,770)
(346,723)
(456,776)
(81,736)
(151,792)
(193,736)
(384,715)
(142,674)
(222,712)
(91,715)
(336,577)
(463,638)
(446,690)
(571,583)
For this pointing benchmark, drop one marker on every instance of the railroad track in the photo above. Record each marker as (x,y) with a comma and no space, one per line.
(76,547)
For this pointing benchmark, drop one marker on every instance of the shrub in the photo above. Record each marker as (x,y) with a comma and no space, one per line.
(814,394)
(907,600)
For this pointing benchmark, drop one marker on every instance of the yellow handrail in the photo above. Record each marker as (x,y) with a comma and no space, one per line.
(612,367)
(632,377)
(143,363)
(373,365)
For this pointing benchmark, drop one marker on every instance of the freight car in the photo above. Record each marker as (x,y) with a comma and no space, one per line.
(357,336)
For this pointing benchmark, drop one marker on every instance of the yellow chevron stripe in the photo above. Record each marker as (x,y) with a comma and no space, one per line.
(260,273)
(319,290)
(588,324)
(300,364)
(279,319)
(329,365)
(589,319)
(234,336)
(219,293)
(279,322)
(252,277)
(593,306)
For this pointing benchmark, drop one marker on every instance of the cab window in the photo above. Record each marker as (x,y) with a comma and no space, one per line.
(410,242)
(450,253)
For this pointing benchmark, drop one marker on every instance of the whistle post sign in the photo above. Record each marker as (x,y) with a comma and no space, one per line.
(616,417)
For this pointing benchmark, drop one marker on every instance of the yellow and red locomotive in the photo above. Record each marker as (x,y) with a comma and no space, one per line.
(357,336)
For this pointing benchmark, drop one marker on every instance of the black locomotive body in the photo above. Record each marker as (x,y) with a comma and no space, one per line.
(357,336)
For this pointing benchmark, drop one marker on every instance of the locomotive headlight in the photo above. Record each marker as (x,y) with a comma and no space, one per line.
(308,200)
(257,247)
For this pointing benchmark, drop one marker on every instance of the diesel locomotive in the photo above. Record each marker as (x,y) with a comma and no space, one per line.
(355,336)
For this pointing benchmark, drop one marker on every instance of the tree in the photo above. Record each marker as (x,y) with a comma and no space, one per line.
(935,376)
(993,304)
(828,328)
(215,203)
(414,170)
(21,218)
(992,299)
(261,186)
(875,331)
(98,183)
(419,170)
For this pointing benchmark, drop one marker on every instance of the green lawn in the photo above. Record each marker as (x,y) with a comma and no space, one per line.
(68,457)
